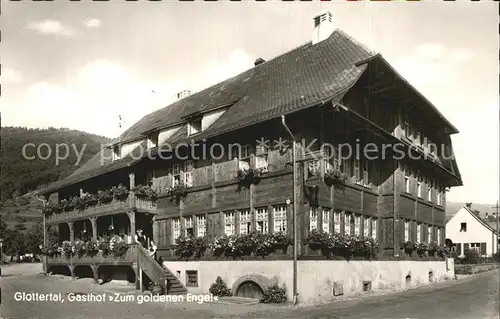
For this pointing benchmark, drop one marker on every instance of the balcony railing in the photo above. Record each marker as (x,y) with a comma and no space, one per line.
(130,202)
(224,171)
(129,257)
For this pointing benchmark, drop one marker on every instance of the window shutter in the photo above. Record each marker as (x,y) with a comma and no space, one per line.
(466,247)
(483,248)
(459,249)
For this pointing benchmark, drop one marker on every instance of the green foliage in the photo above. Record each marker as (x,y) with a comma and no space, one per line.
(237,246)
(219,288)
(345,246)
(274,294)
(21,175)
(148,192)
(187,247)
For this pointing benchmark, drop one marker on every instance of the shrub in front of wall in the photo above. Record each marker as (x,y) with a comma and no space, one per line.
(219,288)
(274,294)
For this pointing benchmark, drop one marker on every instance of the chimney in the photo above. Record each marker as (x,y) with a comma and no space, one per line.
(323,27)
(486,215)
(259,61)
(468,205)
(183,94)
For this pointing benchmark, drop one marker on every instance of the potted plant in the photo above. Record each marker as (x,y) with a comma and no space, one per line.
(120,192)
(104,196)
(119,249)
(249,176)
(103,247)
(177,192)
(409,247)
(89,199)
(78,203)
(433,248)
(68,249)
(422,249)
(146,192)
(263,244)
(281,240)
(317,240)
(79,248)
(335,178)
(92,248)
(51,208)
(218,246)
(67,205)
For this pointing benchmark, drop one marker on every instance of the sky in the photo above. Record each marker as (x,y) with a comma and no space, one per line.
(81,65)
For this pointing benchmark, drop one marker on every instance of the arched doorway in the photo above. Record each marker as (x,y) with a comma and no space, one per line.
(249,289)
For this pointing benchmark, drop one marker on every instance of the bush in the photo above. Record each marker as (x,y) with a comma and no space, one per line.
(472,256)
(274,294)
(219,288)
(496,257)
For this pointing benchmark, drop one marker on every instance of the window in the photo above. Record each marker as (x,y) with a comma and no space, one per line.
(194,126)
(229,224)
(439,236)
(463,227)
(407,231)
(326,220)
(429,232)
(191,278)
(188,226)
(336,222)
(374,228)
(313,219)
(407,179)
(406,125)
(176,228)
(347,224)
(153,140)
(366,226)
(419,185)
(419,233)
(201,224)
(365,172)
(245,222)
(279,214)
(429,192)
(246,151)
(357,174)
(262,220)
(357,225)
(419,135)
(475,246)
(176,173)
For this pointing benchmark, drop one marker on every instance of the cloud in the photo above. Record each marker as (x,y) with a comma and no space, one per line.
(238,61)
(11,76)
(92,23)
(92,100)
(50,27)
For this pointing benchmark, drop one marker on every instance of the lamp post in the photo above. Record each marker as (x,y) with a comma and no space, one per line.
(295,248)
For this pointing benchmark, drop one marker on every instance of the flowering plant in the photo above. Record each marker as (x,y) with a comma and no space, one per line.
(89,199)
(92,248)
(78,203)
(51,208)
(118,249)
(67,205)
(177,192)
(409,247)
(68,249)
(218,246)
(146,192)
(103,246)
(50,250)
(433,247)
(79,248)
(187,247)
(345,246)
(120,192)
(104,196)
(422,248)
(249,176)
(334,177)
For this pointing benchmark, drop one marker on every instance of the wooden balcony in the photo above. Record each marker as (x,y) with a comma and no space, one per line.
(223,171)
(129,258)
(114,207)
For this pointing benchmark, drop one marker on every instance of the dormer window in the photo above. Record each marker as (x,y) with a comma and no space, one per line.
(406,125)
(153,140)
(194,126)
(116,152)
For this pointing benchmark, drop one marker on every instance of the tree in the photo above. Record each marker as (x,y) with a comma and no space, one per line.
(34,238)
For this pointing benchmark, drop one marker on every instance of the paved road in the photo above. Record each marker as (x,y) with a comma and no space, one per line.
(474,297)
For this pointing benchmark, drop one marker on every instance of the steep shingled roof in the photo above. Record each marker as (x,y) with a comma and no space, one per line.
(300,78)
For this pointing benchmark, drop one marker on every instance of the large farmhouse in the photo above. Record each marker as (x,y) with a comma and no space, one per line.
(237,179)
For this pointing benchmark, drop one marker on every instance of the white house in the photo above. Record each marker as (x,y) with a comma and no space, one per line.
(467,230)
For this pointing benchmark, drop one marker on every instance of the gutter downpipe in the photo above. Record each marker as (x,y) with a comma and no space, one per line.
(295,246)
(394,215)
(44,233)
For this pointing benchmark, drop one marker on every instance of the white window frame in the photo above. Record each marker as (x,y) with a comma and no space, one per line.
(419,233)
(176,173)
(347,223)
(279,218)
(245,222)
(188,224)
(438,231)
(229,223)
(406,125)
(313,219)
(366,226)
(262,220)
(475,246)
(357,171)
(336,222)
(406,180)
(419,185)
(201,223)
(429,234)
(357,225)
(176,229)
(374,228)
(326,216)
(429,193)
(407,230)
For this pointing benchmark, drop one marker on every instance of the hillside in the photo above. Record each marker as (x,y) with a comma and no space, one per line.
(453,207)
(21,175)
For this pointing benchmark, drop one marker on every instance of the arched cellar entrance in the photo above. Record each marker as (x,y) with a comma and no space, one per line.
(250,286)
(249,289)
(109,273)
(83,271)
